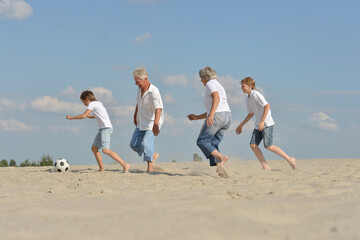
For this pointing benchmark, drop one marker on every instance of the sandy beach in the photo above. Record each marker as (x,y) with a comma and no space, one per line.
(184,200)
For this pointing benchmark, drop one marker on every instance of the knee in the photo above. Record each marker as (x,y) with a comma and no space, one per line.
(253,146)
(94,149)
(106,151)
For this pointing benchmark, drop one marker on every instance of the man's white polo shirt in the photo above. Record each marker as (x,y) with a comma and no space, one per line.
(147,104)
(255,103)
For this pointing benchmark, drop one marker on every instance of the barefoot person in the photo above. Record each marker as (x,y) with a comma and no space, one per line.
(148,118)
(258,106)
(102,139)
(217,118)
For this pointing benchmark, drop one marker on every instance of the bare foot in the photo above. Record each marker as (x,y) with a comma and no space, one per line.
(223,160)
(127,167)
(222,172)
(150,167)
(101,170)
(155,157)
(293,163)
(266,168)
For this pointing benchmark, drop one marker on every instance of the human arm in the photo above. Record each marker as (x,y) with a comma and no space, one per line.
(82,116)
(214,104)
(247,118)
(135,114)
(156,127)
(197,117)
(262,121)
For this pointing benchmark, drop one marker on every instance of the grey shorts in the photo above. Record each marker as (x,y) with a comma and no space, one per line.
(266,134)
(103,137)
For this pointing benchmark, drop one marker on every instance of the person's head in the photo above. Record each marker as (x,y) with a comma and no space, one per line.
(206,74)
(141,78)
(87,96)
(247,85)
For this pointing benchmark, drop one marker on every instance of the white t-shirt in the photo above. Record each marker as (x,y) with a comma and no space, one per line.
(100,113)
(147,104)
(255,103)
(214,86)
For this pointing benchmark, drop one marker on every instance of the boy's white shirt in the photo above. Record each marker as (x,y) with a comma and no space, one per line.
(255,103)
(147,104)
(214,86)
(100,113)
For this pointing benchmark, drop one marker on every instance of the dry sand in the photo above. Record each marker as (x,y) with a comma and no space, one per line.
(320,200)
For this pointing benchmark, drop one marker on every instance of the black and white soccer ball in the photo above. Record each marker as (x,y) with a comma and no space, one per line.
(61,165)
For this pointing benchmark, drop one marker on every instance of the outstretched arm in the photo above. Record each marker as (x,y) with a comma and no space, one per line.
(247,118)
(196,117)
(82,116)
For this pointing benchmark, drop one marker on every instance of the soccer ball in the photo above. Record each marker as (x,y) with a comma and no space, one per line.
(61,165)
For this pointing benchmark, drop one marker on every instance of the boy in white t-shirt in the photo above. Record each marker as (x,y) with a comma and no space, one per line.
(258,106)
(103,137)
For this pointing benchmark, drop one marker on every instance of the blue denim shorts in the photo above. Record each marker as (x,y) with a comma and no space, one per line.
(103,137)
(266,134)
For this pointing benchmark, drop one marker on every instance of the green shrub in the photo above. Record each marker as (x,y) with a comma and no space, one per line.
(25,163)
(13,163)
(4,163)
(46,160)
(197,158)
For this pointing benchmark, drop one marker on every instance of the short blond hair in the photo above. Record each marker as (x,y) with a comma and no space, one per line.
(140,73)
(207,73)
(249,81)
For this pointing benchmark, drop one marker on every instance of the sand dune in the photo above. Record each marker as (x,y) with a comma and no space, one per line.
(185,200)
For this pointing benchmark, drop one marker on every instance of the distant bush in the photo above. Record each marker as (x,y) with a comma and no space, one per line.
(13,163)
(46,160)
(4,163)
(197,158)
(25,163)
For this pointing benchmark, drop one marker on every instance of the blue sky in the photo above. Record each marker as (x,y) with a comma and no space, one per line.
(303,55)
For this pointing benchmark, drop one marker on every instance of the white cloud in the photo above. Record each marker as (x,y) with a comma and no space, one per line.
(142,38)
(173,80)
(123,111)
(7,104)
(54,105)
(15,9)
(104,95)
(57,129)
(12,125)
(235,96)
(69,91)
(322,121)
(168,98)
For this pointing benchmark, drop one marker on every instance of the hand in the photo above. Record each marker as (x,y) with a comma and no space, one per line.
(261,126)
(210,120)
(68,117)
(192,117)
(156,129)
(238,129)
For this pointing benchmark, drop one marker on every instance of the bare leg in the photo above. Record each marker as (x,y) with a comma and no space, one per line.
(116,157)
(98,157)
(221,157)
(155,157)
(260,156)
(150,167)
(281,153)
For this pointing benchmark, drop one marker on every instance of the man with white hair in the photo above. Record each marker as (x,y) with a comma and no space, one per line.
(148,118)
